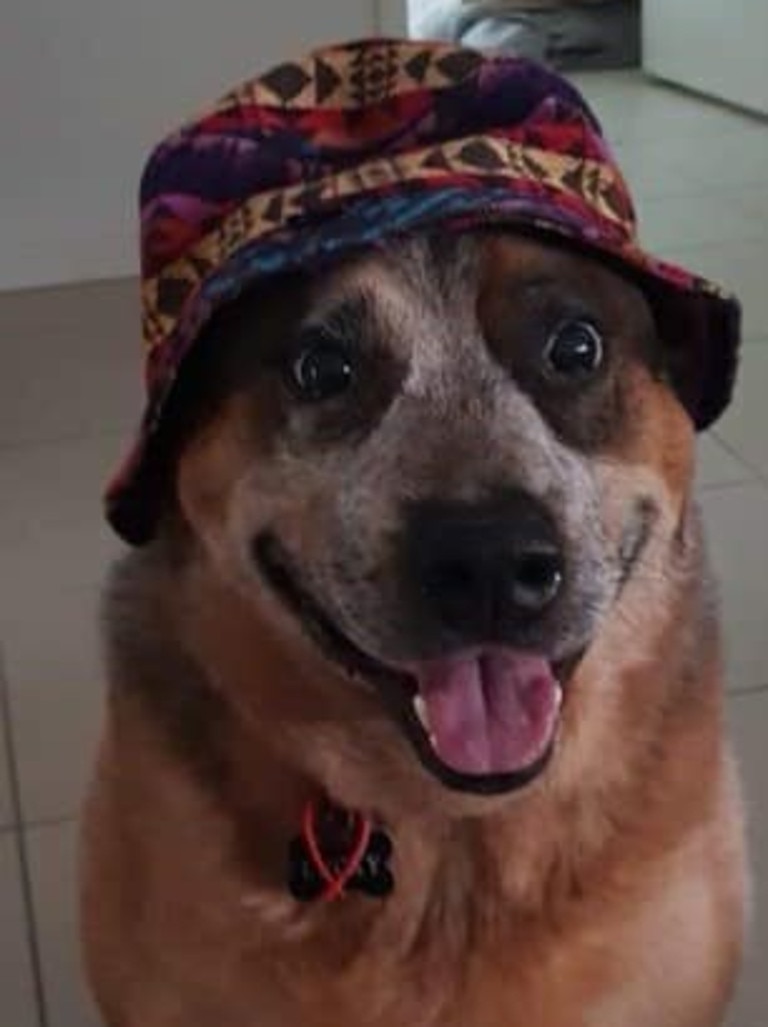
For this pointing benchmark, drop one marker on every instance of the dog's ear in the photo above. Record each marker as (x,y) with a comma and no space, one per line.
(702,372)
(241,338)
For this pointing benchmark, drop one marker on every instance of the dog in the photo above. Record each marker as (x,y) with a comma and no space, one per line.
(458,464)
(415,708)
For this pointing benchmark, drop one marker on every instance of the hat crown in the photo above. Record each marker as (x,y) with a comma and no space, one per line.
(342,107)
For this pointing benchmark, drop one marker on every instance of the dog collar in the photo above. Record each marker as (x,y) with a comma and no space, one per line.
(338,851)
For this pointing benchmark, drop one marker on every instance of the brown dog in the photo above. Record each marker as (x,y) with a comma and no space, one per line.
(456,469)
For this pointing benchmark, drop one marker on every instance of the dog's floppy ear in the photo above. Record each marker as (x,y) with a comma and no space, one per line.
(701,343)
(240,339)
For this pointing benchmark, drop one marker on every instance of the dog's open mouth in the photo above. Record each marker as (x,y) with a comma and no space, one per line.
(483,720)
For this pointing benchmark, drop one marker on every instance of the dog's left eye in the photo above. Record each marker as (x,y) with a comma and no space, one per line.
(574,350)
(321,369)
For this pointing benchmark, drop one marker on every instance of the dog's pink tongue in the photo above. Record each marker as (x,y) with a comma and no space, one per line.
(492,712)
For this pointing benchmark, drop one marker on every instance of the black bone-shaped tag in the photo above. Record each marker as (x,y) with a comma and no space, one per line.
(373,877)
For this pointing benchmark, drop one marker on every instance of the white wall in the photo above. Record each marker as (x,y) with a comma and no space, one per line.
(392,17)
(88,86)
(718,47)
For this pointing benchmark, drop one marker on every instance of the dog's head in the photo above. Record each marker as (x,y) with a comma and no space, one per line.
(437,471)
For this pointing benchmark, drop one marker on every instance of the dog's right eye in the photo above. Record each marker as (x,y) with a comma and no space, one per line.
(575,350)
(320,369)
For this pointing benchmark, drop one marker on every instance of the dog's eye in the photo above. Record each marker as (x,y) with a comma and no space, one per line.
(574,351)
(322,368)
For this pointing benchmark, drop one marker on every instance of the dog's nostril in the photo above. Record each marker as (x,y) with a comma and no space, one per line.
(536,579)
(495,586)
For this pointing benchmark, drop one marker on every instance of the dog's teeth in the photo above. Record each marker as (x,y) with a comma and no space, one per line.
(420,709)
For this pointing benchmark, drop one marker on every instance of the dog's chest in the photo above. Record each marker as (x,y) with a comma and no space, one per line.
(373,967)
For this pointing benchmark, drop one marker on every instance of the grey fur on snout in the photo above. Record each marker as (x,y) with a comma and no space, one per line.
(458,428)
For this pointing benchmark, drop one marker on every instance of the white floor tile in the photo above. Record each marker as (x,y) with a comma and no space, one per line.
(664,140)
(687,164)
(749,717)
(754,202)
(17,999)
(6,802)
(71,362)
(52,531)
(6,806)
(654,170)
(742,161)
(737,525)
(717,467)
(53,858)
(56,686)
(744,426)
(636,109)
(668,223)
(738,266)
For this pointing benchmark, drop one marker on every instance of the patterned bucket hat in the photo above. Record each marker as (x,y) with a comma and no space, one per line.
(356,145)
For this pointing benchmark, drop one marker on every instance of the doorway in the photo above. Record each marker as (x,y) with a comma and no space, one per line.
(569,34)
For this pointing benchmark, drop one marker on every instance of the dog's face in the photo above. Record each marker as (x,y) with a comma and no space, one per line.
(446,464)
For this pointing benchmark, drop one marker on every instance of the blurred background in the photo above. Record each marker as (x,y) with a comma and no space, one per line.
(86,88)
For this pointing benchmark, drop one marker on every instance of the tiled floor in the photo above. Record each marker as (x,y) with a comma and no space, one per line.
(69,393)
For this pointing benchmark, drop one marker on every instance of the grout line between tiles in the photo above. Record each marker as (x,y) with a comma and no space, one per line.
(701,98)
(758,472)
(77,285)
(741,692)
(45,822)
(27,889)
(12,447)
(721,486)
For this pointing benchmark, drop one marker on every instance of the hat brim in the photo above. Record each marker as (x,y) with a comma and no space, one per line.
(698,323)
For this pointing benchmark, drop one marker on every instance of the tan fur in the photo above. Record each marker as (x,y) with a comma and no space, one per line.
(608,893)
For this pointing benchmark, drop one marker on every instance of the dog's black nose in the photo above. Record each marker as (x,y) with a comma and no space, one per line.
(483,568)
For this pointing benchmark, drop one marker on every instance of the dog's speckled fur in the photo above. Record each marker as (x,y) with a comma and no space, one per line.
(609,892)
